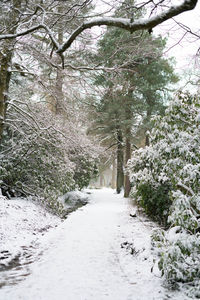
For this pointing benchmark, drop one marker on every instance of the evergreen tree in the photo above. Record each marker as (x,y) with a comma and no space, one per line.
(135,91)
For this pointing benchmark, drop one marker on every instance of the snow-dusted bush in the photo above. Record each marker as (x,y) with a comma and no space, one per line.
(151,185)
(73,200)
(172,162)
(85,169)
(179,254)
(41,154)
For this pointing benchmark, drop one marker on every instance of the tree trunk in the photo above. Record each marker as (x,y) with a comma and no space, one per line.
(127,184)
(113,182)
(55,99)
(59,107)
(101,180)
(6,53)
(148,117)
(59,78)
(5,59)
(129,117)
(120,162)
(147,140)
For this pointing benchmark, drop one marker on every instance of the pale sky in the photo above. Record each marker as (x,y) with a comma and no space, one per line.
(187,47)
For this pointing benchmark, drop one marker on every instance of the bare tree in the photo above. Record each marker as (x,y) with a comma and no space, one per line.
(42,19)
(127,24)
(17,15)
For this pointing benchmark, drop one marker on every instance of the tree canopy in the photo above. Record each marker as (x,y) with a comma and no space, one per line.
(135,91)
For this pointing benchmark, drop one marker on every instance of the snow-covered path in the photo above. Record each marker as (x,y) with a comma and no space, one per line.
(98,253)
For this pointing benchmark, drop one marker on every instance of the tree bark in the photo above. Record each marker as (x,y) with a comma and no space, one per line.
(5,60)
(59,77)
(59,105)
(121,179)
(120,161)
(113,182)
(127,184)
(101,180)
(6,53)
(147,143)
(148,118)
(129,117)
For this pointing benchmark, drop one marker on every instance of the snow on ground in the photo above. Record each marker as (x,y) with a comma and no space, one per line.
(73,200)
(99,252)
(22,224)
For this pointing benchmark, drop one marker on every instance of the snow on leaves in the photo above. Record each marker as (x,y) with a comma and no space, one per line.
(173,160)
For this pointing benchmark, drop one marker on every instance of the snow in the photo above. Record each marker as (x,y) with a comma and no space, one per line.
(22,225)
(19,226)
(101,251)
(74,199)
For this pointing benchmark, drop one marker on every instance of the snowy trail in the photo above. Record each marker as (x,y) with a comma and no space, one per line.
(83,258)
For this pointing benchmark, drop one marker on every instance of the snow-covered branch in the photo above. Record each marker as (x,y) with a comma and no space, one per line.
(30,30)
(127,24)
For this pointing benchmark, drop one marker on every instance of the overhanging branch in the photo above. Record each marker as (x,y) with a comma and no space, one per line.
(127,24)
(30,30)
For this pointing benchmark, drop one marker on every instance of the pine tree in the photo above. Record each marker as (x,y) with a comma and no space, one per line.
(135,91)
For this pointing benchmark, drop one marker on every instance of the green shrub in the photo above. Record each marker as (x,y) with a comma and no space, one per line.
(155,200)
(165,179)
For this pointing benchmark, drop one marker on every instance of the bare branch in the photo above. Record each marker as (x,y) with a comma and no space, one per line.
(187,29)
(128,25)
(30,30)
(25,32)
